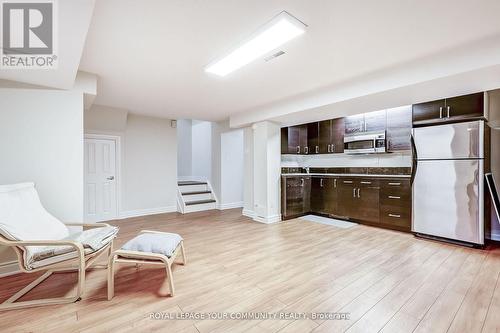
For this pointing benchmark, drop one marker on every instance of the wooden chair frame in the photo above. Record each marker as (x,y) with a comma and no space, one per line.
(144,258)
(83,262)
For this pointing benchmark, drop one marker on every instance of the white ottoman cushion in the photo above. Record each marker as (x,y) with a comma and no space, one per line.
(164,243)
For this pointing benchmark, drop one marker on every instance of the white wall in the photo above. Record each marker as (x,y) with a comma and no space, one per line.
(215,178)
(266,172)
(105,119)
(201,150)
(148,158)
(150,167)
(184,152)
(248,201)
(41,141)
(232,163)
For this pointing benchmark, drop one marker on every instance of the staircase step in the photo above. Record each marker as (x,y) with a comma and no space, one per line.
(195,192)
(189,182)
(199,202)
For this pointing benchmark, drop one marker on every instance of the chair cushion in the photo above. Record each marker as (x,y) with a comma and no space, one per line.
(22,216)
(160,243)
(92,240)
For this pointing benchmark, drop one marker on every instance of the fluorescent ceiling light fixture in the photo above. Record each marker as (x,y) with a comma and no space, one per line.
(272,35)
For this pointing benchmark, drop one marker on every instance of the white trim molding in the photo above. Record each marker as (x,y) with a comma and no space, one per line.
(248,213)
(230,205)
(268,219)
(147,211)
(9,268)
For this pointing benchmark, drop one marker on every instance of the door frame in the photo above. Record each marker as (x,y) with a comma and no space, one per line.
(118,157)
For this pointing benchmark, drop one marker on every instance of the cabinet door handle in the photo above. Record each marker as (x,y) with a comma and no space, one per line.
(306,150)
(298,149)
(301,181)
(335,183)
(359,191)
(321,182)
(328,148)
(440,112)
(395,215)
(395,184)
(393,197)
(364,182)
(317,149)
(448,112)
(347,181)
(333,147)
(354,193)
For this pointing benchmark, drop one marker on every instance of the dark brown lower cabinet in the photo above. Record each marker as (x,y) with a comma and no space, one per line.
(395,204)
(383,202)
(318,197)
(331,196)
(358,199)
(295,197)
(346,193)
(367,201)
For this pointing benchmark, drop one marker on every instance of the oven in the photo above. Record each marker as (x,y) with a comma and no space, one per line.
(365,143)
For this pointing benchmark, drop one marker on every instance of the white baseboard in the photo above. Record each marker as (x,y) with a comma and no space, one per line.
(9,268)
(148,211)
(230,205)
(248,213)
(267,219)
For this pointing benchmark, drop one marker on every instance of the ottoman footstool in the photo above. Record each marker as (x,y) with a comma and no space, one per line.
(148,248)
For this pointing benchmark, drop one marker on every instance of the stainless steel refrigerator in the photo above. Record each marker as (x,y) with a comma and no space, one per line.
(448,197)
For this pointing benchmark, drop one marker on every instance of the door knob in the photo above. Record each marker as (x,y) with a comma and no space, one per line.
(111,178)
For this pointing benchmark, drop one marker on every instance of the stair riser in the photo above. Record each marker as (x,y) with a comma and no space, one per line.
(201,207)
(196,197)
(193,188)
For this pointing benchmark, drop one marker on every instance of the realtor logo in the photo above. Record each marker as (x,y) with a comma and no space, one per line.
(28,34)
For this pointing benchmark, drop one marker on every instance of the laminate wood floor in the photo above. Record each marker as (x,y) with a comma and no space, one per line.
(386,281)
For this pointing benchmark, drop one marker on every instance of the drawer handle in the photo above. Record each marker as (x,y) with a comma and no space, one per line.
(366,183)
(347,181)
(395,215)
(394,197)
(395,184)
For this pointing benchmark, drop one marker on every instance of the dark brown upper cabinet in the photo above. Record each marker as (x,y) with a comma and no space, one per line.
(312,138)
(366,122)
(325,135)
(331,136)
(375,121)
(465,106)
(399,125)
(337,135)
(294,139)
(449,110)
(354,124)
(428,111)
(284,140)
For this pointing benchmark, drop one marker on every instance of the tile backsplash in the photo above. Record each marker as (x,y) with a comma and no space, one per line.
(402,159)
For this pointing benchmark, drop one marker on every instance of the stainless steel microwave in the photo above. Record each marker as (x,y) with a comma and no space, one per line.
(365,143)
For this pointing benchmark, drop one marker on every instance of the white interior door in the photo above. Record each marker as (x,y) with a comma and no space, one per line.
(100,180)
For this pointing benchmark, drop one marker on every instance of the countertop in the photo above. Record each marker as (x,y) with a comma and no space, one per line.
(344,175)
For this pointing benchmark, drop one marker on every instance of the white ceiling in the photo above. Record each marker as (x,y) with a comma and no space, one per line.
(150,55)
(73,19)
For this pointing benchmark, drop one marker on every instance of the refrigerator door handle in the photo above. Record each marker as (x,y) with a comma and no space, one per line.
(414,159)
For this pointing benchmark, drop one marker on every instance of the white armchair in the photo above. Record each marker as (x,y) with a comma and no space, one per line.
(42,242)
